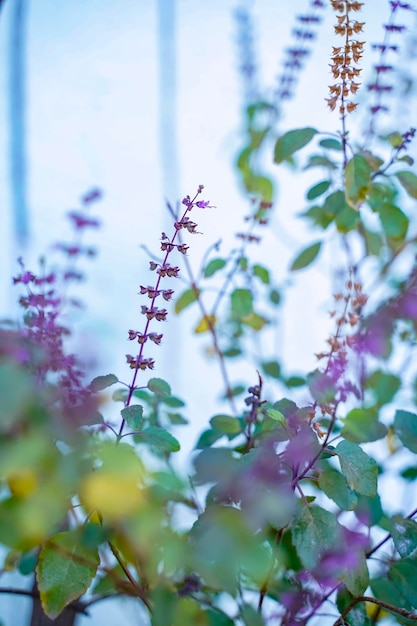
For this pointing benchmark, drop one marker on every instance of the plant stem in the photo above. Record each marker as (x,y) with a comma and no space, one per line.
(389,607)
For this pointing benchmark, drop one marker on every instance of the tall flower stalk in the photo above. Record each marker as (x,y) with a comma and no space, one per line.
(379,87)
(344,65)
(153,312)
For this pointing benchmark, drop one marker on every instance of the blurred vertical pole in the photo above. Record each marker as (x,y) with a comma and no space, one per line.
(17,119)
(168,146)
(167,62)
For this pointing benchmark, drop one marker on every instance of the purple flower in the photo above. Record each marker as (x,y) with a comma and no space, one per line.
(394,28)
(93,195)
(80,221)
(202,204)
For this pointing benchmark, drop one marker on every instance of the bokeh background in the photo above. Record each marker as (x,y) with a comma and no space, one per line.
(144,100)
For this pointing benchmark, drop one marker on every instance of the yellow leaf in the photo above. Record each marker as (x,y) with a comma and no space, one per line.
(392,441)
(205,324)
(255,321)
(112,494)
(374,612)
(95,518)
(22,482)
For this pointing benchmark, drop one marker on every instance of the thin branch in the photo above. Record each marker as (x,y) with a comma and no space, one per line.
(389,607)
(214,336)
(387,538)
(138,589)
(77,607)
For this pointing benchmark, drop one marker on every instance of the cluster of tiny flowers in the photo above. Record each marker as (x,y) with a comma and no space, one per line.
(41,338)
(406,138)
(163,270)
(353,301)
(380,86)
(258,217)
(295,56)
(345,58)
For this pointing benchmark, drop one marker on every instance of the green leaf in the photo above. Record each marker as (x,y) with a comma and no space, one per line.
(164,602)
(256,562)
(101,382)
(369,511)
(242,303)
(404,535)
(357,180)
(177,419)
(159,387)
(243,160)
(331,144)
(393,220)
(317,160)
(216,617)
(15,392)
(255,321)
(172,401)
(319,216)
(66,568)
(409,181)
(314,532)
(277,416)
(384,590)
(410,473)
(232,353)
(213,464)
(362,425)
(291,142)
(275,296)
(360,471)
(215,265)
(185,299)
(374,161)
(357,579)
(405,426)
(336,488)
(306,257)
(271,368)
(27,563)
(250,616)
(261,186)
(261,272)
(120,395)
(384,386)
(159,438)
(381,193)
(404,576)
(243,263)
(347,219)
(373,242)
(207,438)
(188,611)
(357,615)
(133,416)
(226,424)
(218,538)
(395,139)
(406,159)
(295,381)
(236,390)
(335,203)
(318,190)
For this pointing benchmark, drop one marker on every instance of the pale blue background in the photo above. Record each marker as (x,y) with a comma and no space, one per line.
(93,116)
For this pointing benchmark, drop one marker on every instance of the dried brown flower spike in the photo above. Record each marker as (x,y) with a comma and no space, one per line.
(345,58)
